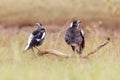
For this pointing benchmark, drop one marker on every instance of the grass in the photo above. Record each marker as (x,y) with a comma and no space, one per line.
(15,65)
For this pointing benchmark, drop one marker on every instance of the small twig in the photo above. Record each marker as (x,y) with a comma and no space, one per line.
(98,48)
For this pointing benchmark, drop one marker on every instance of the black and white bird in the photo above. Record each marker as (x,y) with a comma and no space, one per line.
(75,37)
(36,38)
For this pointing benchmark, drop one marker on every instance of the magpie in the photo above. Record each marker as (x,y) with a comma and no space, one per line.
(75,37)
(36,38)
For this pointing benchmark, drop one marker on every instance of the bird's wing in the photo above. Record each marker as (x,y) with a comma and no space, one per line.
(67,37)
(40,36)
(82,34)
(43,35)
(36,32)
(83,42)
(78,38)
(33,36)
(29,41)
(30,38)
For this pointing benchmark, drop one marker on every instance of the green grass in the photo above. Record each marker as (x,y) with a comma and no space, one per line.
(16,65)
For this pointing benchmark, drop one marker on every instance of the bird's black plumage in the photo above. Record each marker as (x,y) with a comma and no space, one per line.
(75,37)
(36,38)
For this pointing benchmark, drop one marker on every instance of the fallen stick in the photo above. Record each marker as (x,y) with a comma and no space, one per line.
(98,48)
(54,52)
(58,53)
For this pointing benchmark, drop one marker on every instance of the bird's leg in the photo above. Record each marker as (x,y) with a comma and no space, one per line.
(80,51)
(73,48)
(37,49)
(32,50)
(76,53)
(80,55)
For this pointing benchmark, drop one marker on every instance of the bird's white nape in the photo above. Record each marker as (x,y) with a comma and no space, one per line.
(71,24)
(78,23)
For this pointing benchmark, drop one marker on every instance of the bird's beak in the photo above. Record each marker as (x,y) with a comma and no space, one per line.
(38,24)
(79,22)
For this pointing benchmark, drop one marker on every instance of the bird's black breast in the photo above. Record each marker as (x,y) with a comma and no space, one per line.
(73,36)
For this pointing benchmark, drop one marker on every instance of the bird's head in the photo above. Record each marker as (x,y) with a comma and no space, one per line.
(39,24)
(75,23)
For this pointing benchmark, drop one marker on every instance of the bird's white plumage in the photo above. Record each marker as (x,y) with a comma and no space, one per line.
(26,47)
(78,22)
(82,32)
(43,35)
(30,38)
(71,24)
(38,40)
(29,41)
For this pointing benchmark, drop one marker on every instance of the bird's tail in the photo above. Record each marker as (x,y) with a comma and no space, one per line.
(26,48)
